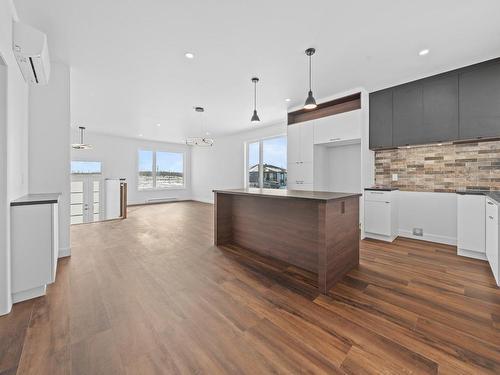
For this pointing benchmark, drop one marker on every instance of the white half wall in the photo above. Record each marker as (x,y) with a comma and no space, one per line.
(435,213)
(49,144)
(13,145)
(222,166)
(119,158)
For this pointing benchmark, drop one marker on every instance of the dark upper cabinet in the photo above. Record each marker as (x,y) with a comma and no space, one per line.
(440,109)
(458,105)
(480,101)
(381,119)
(407,114)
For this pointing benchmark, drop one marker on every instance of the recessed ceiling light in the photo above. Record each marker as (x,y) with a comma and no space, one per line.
(189,55)
(287,99)
(423,52)
(140,135)
(158,125)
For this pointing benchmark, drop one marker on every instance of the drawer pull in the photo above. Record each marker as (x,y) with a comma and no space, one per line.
(490,203)
(491,217)
(376,192)
(335,139)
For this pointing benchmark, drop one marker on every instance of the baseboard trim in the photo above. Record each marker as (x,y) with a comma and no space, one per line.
(29,294)
(64,252)
(203,200)
(380,237)
(471,254)
(429,237)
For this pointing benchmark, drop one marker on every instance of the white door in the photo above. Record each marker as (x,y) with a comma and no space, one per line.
(471,222)
(86,198)
(378,217)
(492,250)
(293,144)
(307,142)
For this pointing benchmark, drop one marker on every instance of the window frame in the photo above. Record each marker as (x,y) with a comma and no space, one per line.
(260,141)
(153,168)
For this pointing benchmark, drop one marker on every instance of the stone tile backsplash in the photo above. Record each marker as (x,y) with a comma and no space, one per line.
(445,168)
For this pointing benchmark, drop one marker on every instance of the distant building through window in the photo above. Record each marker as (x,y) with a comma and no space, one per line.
(160,170)
(266,163)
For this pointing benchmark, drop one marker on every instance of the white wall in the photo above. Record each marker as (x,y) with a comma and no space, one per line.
(222,166)
(49,144)
(13,144)
(435,213)
(344,170)
(119,158)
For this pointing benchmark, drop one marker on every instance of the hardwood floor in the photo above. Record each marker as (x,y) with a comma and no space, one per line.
(151,295)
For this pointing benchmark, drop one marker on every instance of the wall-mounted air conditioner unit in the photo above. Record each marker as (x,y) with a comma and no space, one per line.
(32,53)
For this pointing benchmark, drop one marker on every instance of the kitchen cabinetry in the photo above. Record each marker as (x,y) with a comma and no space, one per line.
(471,225)
(492,242)
(300,154)
(440,109)
(381,214)
(381,119)
(338,129)
(457,105)
(34,242)
(480,101)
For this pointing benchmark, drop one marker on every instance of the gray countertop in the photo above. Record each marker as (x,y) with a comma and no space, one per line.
(31,199)
(282,193)
(495,195)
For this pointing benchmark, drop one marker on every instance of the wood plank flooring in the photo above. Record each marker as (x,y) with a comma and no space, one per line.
(151,295)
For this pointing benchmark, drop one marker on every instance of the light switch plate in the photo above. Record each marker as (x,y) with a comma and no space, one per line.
(394,177)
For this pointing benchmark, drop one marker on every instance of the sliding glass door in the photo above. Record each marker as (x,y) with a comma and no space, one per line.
(266,163)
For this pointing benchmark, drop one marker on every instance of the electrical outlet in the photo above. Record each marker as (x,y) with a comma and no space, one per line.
(394,177)
(418,232)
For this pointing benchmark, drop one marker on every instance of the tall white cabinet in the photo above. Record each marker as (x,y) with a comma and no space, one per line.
(300,156)
(34,243)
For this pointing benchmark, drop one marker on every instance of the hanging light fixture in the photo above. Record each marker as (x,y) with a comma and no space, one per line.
(204,141)
(255,116)
(310,101)
(82,145)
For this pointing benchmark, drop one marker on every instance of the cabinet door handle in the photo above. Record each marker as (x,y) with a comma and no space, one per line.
(387,202)
(490,203)
(491,217)
(335,139)
(376,192)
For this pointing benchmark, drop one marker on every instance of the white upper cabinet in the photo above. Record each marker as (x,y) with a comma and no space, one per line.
(341,128)
(300,142)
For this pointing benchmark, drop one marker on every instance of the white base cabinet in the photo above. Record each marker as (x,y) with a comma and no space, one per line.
(471,241)
(35,247)
(492,241)
(381,214)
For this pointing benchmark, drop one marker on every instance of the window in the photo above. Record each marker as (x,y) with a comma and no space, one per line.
(266,163)
(85,167)
(160,170)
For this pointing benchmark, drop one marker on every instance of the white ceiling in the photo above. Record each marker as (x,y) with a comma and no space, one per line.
(129,72)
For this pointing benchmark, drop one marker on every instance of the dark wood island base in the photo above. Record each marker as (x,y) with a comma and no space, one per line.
(316,231)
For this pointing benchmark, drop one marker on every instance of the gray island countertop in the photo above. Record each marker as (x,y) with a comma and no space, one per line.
(283,193)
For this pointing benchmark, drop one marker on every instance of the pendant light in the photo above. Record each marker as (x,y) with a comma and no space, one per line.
(203,141)
(82,145)
(255,116)
(310,101)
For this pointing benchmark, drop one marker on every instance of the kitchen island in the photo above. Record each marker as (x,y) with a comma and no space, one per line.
(312,230)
